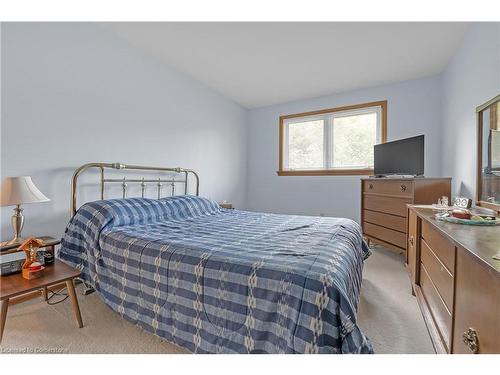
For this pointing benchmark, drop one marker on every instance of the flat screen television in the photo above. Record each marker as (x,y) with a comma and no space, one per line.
(402,157)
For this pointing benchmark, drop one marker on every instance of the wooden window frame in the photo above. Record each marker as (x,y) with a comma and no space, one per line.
(330,172)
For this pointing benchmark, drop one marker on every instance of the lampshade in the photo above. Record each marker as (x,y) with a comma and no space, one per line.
(20,190)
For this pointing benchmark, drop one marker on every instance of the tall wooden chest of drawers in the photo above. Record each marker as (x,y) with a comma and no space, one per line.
(383,205)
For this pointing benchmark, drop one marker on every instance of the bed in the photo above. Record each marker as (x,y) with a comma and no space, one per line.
(215,280)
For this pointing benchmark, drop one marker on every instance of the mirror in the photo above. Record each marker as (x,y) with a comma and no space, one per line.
(488,173)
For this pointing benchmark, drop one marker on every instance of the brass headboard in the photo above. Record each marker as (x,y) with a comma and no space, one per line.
(124,181)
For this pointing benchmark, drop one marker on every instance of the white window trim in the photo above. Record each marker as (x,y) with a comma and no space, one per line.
(328,119)
(286,138)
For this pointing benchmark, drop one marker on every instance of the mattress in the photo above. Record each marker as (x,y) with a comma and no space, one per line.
(213,280)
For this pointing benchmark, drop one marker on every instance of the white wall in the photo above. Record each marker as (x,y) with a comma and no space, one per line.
(75,93)
(471,78)
(413,109)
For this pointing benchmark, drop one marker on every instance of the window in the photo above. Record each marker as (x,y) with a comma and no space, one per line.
(331,141)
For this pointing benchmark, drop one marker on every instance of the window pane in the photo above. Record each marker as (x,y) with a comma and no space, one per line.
(305,145)
(353,141)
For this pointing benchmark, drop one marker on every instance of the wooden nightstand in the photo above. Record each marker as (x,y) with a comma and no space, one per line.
(15,285)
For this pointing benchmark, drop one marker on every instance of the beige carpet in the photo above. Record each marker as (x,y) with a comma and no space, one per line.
(388,314)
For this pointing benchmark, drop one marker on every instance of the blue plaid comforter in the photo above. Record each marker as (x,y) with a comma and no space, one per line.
(223,281)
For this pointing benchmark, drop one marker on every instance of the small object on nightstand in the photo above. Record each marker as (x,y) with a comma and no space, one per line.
(226,205)
(12,259)
(48,257)
(31,267)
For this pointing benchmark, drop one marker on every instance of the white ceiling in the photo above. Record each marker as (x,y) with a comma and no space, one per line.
(260,64)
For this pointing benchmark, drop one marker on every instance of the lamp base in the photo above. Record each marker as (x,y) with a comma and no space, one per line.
(17,221)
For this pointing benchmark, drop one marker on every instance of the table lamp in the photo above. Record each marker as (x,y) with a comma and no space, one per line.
(16,191)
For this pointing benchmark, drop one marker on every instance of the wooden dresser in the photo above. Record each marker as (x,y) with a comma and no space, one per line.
(383,205)
(456,282)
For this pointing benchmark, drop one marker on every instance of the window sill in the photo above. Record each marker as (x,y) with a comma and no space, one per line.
(327,172)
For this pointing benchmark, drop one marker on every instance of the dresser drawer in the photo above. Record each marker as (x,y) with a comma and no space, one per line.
(385,234)
(444,249)
(385,220)
(438,273)
(388,205)
(439,312)
(400,188)
(477,305)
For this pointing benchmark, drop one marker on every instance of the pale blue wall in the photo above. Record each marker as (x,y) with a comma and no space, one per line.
(441,107)
(471,78)
(75,93)
(413,109)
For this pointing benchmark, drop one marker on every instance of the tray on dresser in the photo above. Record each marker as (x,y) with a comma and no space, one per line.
(456,220)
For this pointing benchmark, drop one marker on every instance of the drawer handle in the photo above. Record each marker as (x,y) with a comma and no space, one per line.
(411,240)
(370,186)
(471,339)
(403,187)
